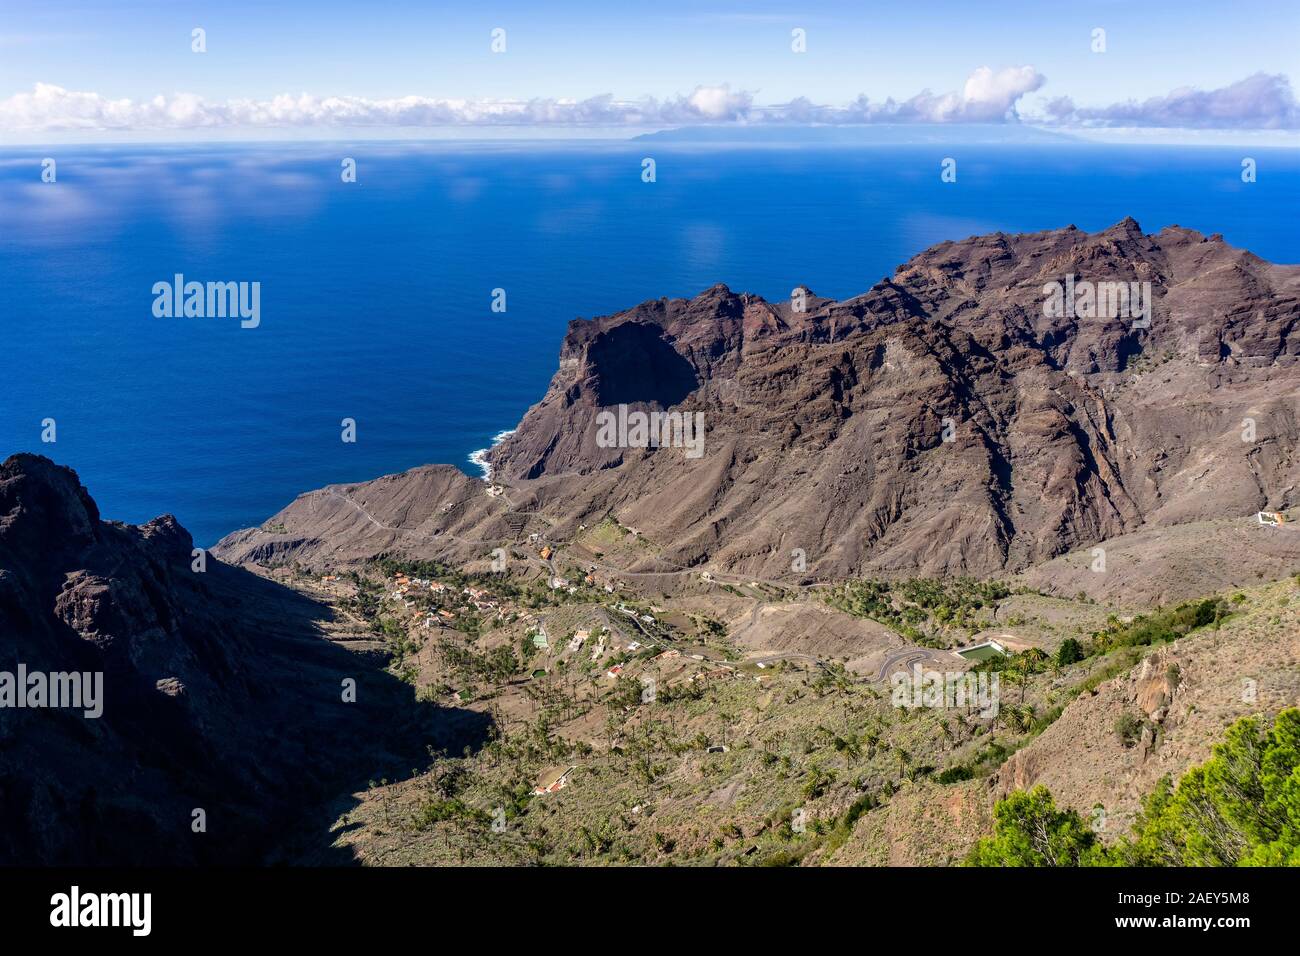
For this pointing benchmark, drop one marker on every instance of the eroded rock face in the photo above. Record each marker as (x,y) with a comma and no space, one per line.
(1156,684)
(944,422)
(826,428)
(218,692)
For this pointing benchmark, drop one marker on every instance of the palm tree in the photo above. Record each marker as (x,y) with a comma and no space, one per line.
(1020,718)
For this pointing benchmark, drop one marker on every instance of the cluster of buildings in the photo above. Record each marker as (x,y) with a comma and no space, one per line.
(405,587)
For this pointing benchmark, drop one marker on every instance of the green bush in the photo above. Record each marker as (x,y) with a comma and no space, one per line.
(1240,808)
(1070,652)
(1029,830)
(1128,728)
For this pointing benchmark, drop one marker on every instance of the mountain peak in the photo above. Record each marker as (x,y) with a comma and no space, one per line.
(42,505)
(1128,226)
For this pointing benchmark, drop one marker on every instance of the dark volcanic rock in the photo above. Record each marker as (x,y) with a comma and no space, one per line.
(219,692)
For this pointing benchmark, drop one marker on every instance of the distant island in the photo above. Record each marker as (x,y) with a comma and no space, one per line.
(882,134)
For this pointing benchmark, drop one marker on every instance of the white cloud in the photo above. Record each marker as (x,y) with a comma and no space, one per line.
(988,96)
(53,108)
(1261,101)
(718,102)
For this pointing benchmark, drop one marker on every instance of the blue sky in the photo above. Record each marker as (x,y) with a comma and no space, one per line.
(140,49)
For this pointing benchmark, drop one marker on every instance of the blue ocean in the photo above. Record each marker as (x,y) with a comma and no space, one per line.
(376,296)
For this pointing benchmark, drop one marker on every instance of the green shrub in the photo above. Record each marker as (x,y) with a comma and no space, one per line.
(1240,808)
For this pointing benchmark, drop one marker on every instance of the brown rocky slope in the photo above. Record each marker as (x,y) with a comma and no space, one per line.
(825,428)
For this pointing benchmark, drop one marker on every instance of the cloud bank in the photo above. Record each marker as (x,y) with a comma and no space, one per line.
(988,96)
(1261,101)
(53,108)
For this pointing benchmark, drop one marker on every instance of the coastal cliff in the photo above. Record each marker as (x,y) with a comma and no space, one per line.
(946,421)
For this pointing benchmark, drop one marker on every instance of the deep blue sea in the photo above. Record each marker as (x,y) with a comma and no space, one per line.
(376,295)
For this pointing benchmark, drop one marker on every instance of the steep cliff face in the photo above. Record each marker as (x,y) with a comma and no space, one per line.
(949,420)
(219,693)
(954,419)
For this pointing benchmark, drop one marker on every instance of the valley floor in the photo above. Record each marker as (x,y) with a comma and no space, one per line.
(752,725)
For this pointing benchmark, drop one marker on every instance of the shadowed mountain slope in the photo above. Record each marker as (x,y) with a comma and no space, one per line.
(220,692)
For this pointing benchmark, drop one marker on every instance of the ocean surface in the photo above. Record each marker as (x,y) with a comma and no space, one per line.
(376,296)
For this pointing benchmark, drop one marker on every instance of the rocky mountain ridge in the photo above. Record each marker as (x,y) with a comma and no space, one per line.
(945,422)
